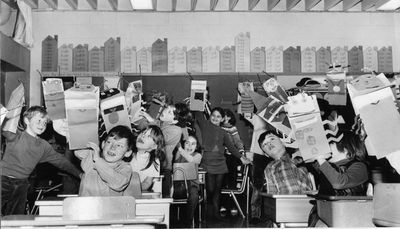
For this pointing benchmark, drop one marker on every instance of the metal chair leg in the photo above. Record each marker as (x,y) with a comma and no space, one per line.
(237,205)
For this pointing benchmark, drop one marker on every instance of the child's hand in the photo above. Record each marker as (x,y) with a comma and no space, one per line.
(96,150)
(245,160)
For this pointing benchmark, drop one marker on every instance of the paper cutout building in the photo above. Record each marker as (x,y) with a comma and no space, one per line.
(128,60)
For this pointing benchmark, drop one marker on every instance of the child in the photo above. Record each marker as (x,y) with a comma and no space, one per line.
(345,173)
(213,139)
(24,150)
(106,174)
(190,153)
(172,122)
(146,161)
(232,162)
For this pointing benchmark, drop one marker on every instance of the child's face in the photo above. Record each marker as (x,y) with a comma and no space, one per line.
(145,141)
(216,118)
(37,124)
(273,146)
(190,144)
(167,114)
(115,149)
(336,154)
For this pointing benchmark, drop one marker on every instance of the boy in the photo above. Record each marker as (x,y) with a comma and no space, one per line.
(24,150)
(106,173)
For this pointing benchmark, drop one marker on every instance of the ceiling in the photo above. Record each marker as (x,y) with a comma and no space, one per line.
(210,5)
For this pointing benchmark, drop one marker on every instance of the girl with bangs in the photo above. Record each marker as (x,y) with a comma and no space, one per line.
(148,154)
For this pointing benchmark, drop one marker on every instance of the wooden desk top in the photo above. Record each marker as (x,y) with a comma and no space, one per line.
(145,199)
(30,220)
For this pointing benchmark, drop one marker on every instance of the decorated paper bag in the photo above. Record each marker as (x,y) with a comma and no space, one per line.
(82,104)
(113,109)
(365,84)
(381,123)
(273,88)
(301,104)
(246,105)
(310,135)
(133,97)
(336,88)
(198,95)
(14,107)
(53,92)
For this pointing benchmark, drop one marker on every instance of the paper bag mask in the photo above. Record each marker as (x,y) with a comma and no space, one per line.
(53,92)
(113,109)
(82,104)
(273,88)
(198,95)
(14,107)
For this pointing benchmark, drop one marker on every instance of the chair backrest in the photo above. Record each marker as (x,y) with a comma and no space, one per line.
(178,194)
(187,169)
(243,182)
(99,207)
(386,203)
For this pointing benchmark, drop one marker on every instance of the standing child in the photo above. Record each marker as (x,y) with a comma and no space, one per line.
(190,153)
(214,139)
(146,160)
(106,174)
(24,150)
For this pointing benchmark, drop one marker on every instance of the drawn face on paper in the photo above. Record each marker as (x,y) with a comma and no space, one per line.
(273,146)
(114,149)
(270,85)
(190,145)
(216,118)
(366,82)
(37,124)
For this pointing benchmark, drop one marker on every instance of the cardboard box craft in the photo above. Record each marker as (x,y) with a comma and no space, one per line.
(114,110)
(198,95)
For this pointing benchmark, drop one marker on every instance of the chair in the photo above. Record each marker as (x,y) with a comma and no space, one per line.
(243,186)
(386,205)
(99,208)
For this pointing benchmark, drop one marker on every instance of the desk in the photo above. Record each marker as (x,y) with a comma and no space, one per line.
(147,205)
(30,221)
(287,210)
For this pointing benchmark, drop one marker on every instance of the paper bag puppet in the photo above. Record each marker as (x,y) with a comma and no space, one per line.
(381,120)
(246,105)
(14,107)
(367,83)
(81,103)
(113,109)
(198,95)
(133,97)
(307,127)
(336,88)
(53,92)
(273,88)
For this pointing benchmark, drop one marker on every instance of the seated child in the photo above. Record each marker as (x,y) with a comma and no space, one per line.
(190,153)
(146,160)
(106,172)
(345,173)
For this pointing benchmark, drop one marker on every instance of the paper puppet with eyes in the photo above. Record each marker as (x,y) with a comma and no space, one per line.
(366,83)
(307,127)
(113,109)
(53,91)
(336,88)
(273,88)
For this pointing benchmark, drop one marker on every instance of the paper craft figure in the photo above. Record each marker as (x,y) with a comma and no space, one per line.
(272,109)
(198,95)
(246,105)
(368,83)
(14,107)
(113,109)
(273,88)
(53,91)
(82,109)
(336,88)
(133,98)
(307,128)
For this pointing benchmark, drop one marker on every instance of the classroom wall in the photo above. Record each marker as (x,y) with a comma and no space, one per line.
(192,29)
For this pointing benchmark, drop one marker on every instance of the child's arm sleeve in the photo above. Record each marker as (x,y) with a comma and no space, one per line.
(231,147)
(194,159)
(59,161)
(356,174)
(117,179)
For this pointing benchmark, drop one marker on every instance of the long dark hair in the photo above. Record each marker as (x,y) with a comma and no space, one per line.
(158,152)
(355,147)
